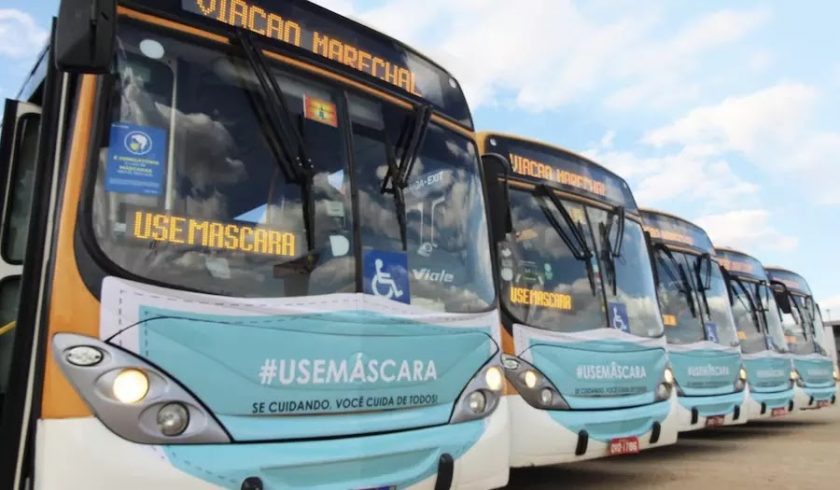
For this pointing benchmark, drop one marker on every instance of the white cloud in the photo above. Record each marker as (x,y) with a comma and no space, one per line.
(542,54)
(20,36)
(692,175)
(749,229)
(773,128)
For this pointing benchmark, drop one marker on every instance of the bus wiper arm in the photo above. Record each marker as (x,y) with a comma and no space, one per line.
(283,138)
(574,239)
(396,180)
(683,279)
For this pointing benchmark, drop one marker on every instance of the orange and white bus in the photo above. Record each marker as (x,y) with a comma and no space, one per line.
(244,245)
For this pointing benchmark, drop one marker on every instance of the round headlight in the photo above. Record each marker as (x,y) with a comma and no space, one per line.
(668,376)
(130,386)
(742,374)
(546,397)
(663,391)
(477,402)
(494,378)
(173,419)
(530,379)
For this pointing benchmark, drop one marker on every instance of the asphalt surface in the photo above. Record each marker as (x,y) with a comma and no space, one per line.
(801,451)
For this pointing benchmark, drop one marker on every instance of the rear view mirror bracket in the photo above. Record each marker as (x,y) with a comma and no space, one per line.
(85,36)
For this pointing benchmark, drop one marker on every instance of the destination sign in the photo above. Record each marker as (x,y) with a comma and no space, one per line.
(335,38)
(567,170)
(792,280)
(191,232)
(742,265)
(543,299)
(677,231)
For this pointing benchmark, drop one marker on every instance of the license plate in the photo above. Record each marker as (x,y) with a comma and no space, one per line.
(778,412)
(624,445)
(715,420)
(823,403)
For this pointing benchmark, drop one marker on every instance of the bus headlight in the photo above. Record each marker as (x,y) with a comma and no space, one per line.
(494,378)
(130,386)
(477,402)
(173,419)
(836,374)
(797,378)
(546,396)
(481,396)
(742,374)
(132,398)
(530,378)
(668,376)
(666,385)
(532,385)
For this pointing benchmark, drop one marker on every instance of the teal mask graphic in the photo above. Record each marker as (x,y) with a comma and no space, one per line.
(768,375)
(329,374)
(706,372)
(815,373)
(601,374)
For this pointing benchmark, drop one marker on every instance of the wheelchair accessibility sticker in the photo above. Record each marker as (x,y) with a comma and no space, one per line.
(712,332)
(618,317)
(386,275)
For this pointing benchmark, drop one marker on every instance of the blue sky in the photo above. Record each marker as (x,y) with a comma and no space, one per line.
(721,112)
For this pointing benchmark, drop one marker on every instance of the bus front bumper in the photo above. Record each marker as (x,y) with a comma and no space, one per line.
(698,412)
(766,405)
(809,398)
(541,437)
(83,453)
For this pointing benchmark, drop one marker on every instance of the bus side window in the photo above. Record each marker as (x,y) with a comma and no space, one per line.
(18,151)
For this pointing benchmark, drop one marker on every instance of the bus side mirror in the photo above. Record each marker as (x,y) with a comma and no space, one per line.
(84,35)
(496,172)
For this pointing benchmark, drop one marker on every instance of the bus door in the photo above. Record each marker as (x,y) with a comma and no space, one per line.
(18,148)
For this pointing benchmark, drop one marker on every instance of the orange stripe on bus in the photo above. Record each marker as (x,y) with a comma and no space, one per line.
(72,307)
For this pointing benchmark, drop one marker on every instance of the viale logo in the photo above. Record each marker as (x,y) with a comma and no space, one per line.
(433,276)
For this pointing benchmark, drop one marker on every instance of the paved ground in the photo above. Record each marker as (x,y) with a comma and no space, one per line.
(801,451)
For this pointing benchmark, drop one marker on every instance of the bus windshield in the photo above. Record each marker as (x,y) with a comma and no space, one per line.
(772,320)
(197,188)
(793,322)
(684,304)
(547,284)
(813,317)
(745,311)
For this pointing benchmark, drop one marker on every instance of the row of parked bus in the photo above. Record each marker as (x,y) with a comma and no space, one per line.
(252,244)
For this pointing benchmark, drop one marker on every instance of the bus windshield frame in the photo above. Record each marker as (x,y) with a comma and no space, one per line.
(219,124)
(693,314)
(573,263)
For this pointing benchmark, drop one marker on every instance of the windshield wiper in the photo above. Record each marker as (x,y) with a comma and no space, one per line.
(574,239)
(749,303)
(396,180)
(704,285)
(612,251)
(284,140)
(685,288)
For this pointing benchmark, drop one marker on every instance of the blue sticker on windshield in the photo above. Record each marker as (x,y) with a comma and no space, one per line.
(136,159)
(386,275)
(712,332)
(618,317)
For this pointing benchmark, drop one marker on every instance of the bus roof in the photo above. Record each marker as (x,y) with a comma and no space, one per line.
(671,229)
(794,281)
(325,37)
(740,264)
(563,168)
